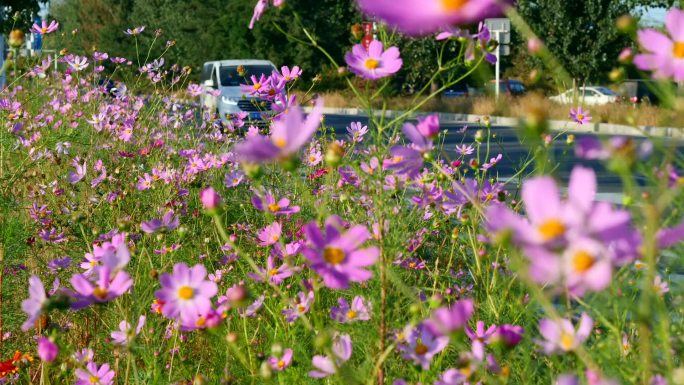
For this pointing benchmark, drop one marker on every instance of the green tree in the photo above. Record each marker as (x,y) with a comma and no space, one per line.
(8,8)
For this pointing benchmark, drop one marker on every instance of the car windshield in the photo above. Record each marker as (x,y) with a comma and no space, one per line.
(605,91)
(230,78)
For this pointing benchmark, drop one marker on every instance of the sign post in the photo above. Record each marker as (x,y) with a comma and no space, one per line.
(501,29)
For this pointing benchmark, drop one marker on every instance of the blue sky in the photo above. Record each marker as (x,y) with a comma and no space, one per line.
(655,16)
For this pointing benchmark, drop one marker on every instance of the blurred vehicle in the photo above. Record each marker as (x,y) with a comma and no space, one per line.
(510,87)
(638,91)
(223,94)
(459,90)
(591,96)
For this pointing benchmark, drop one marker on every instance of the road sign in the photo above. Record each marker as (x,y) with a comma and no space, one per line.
(498,24)
(500,28)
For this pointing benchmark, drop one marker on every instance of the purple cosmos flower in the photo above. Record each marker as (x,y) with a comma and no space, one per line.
(234,178)
(52,235)
(492,162)
(358,311)
(290,74)
(590,147)
(135,31)
(409,159)
(336,257)
(508,335)
(464,150)
(269,203)
(281,363)
(374,63)
(327,366)
(259,9)
(166,223)
(420,345)
(75,177)
(186,292)
(272,273)
(45,28)
(126,333)
(210,198)
(479,337)
(580,116)
(270,234)
(105,289)
(257,86)
(664,54)
(451,377)
(253,308)
(419,17)
(560,335)
(299,307)
(47,349)
(33,305)
(447,320)
(357,131)
(59,264)
(288,135)
(92,375)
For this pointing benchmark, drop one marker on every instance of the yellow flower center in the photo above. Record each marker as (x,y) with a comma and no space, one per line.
(582,261)
(566,341)
(273,272)
(287,78)
(551,229)
(678,50)
(281,364)
(257,86)
(273,207)
(333,255)
(94,380)
(43,30)
(466,371)
(397,158)
(100,292)
(420,349)
(453,5)
(201,321)
(186,292)
(280,142)
(301,308)
(351,314)
(371,64)
(580,116)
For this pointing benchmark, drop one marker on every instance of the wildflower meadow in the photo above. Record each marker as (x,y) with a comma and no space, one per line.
(145,239)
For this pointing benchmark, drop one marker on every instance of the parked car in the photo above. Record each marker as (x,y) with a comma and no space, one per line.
(223,76)
(510,87)
(641,91)
(591,96)
(459,90)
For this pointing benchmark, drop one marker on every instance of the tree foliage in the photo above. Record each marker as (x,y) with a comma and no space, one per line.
(8,8)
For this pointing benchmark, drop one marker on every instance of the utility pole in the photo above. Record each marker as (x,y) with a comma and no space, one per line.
(501,29)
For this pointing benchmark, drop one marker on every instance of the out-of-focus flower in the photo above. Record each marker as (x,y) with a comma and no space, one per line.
(47,349)
(259,9)
(336,257)
(281,363)
(343,313)
(664,55)
(126,333)
(299,307)
(342,351)
(421,17)
(33,306)
(94,375)
(447,320)
(44,28)
(580,116)
(166,223)
(269,203)
(270,234)
(420,345)
(560,335)
(375,63)
(210,198)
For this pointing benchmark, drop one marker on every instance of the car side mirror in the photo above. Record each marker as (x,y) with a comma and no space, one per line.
(209,83)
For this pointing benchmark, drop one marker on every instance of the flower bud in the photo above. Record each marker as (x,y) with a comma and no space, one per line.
(265,370)
(47,349)
(534,45)
(210,198)
(626,24)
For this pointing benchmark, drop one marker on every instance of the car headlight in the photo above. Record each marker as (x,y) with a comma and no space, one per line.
(232,101)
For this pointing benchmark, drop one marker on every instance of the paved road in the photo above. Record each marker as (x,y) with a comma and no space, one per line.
(505,141)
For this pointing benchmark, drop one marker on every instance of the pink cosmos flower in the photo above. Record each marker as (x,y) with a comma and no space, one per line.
(45,28)
(75,177)
(561,336)
(420,345)
(664,55)
(92,375)
(375,63)
(580,116)
(195,90)
(106,288)
(357,131)
(288,135)
(421,17)
(272,273)
(78,63)
(185,292)
(257,86)
(290,74)
(270,234)
(33,305)
(327,366)
(134,32)
(336,257)
(299,307)
(358,311)
(166,223)
(259,9)
(281,363)
(480,337)
(210,198)
(268,203)
(126,333)
(447,320)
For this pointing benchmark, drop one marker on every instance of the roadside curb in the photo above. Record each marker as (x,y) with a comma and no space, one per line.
(556,125)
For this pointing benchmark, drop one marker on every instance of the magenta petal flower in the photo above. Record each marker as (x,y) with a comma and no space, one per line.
(422,17)
(33,306)
(168,222)
(561,336)
(269,203)
(446,320)
(451,377)
(421,345)
(375,63)
(105,289)
(288,135)
(281,363)
(45,28)
(337,257)
(47,349)
(358,311)
(299,307)
(664,55)
(479,338)
(92,375)
(186,291)
(270,234)
(580,116)
(126,332)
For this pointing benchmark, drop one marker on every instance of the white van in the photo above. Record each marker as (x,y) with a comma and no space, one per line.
(222,75)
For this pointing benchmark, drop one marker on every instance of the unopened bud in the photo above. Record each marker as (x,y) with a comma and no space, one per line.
(210,198)
(626,24)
